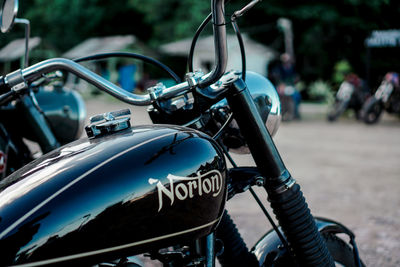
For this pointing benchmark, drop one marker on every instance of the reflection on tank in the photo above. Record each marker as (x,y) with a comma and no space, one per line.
(108,209)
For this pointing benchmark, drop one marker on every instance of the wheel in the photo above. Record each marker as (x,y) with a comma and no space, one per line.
(372,110)
(338,109)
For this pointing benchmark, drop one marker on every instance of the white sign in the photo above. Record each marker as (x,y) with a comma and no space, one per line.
(388,38)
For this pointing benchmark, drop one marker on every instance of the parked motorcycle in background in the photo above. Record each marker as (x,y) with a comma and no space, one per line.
(48,114)
(161,189)
(351,94)
(386,97)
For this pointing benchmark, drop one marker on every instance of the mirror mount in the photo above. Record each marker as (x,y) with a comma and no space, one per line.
(8,17)
(27,36)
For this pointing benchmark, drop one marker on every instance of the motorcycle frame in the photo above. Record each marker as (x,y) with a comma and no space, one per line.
(266,156)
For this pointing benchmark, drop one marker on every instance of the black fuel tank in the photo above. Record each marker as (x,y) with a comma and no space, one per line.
(139,189)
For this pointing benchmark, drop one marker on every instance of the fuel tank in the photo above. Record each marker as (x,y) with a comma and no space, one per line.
(65,111)
(143,188)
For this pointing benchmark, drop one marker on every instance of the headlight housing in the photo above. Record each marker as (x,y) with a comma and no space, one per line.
(268,105)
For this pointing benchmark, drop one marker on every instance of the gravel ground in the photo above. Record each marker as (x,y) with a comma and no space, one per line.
(349,172)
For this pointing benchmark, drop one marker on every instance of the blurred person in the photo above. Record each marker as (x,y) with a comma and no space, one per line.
(284,76)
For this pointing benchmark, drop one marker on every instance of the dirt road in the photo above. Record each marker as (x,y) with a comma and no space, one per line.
(349,172)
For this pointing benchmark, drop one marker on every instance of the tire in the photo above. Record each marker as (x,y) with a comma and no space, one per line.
(372,110)
(338,109)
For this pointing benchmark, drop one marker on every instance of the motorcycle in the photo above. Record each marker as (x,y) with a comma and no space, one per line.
(351,95)
(386,97)
(47,114)
(161,189)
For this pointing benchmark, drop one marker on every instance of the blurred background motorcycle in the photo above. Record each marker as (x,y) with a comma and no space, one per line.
(351,95)
(386,97)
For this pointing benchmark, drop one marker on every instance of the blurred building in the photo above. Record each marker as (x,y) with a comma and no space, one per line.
(12,55)
(122,71)
(258,56)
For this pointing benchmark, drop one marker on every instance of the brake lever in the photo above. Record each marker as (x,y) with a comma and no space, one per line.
(46,79)
(240,12)
(34,101)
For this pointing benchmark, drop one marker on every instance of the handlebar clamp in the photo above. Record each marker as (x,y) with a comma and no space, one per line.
(16,81)
(156,91)
(193,78)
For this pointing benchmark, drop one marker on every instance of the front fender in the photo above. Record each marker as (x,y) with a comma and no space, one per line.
(269,249)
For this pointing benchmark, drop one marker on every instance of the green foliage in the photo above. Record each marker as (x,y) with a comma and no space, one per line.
(324,31)
(64,22)
(172,19)
(340,70)
(321,91)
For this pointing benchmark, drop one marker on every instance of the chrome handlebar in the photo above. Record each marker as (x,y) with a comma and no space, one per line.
(34,72)
(220,47)
(20,78)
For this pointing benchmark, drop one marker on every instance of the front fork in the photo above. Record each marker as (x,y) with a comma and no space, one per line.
(284,193)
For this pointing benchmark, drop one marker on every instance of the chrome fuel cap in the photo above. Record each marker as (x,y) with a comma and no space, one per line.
(108,123)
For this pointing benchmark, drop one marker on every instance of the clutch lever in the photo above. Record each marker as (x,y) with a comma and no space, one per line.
(240,12)
(7,97)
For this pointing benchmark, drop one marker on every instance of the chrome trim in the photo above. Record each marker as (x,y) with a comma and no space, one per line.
(105,250)
(174,90)
(221,51)
(288,184)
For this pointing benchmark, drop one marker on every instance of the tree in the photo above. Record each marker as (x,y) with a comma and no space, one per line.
(64,23)
(328,31)
(172,19)
(325,32)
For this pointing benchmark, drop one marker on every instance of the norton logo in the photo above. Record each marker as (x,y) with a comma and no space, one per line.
(187,187)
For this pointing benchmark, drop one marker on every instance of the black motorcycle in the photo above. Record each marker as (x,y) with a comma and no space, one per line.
(351,95)
(386,97)
(161,189)
(47,114)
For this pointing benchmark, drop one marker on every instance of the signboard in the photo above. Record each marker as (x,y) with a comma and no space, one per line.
(386,38)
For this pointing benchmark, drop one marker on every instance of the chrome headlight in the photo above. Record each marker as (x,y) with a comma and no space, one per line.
(268,105)
(266,99)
